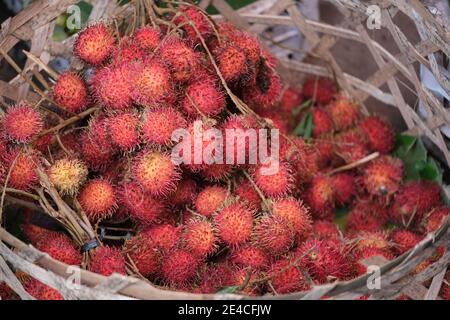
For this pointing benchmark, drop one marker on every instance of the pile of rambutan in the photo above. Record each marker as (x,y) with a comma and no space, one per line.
(204,227)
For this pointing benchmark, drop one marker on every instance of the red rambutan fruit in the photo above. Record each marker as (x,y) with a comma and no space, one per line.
(183,60)
(435,218)
(233,63)
(153,86)
(266,91)
(140,206)
(414,200)
(250,256)
(294,212)
(321,90)
(290,99)
(249,44)
(155,172)
(6,293)
(188,16)
(247,193)
(272,184)
(344,187)
(274,234)
(143,255)
(216,172)
(164,236)
(383,176)
(210,199)
(380,134)
(95,153)
(366,216)
(343,113)
(322,123)
(246,280)
(199,238)
(147,38)
(320,197)
(179,267)
(351,146)
(213,277)
(98,199)
(366,253)
(123,130)
(34,233)
(323,229)
(70,92)
(185,193)
(203,97)
(107,260)
(113,86)
(94,44)
(60,247)
(22,123)
(323,261)
(286,277)
(127,51)
(22,166)
(371,239)
(403,240)
(234,224)
(68,175)
(41,291)
(159,124)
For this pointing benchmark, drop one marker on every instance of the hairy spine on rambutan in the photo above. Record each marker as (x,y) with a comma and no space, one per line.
(247,193)
(60,247)
(294,212)
(70,92)
(41,291)
(210,199)
(199,238)
(179,267)
(148,38)
(94,44)
(344,187)
(371,239)
(366,253)
(158,125)
(123,129)
(233,63)
(127,51)
(343,113)
(320,90)
(234,224)
(164,236)
(143,255)
(290,99)
(434,219)
(351,146)
(277,184)
(274,235)
(185,193)
(68,175)
(250,256)
(286,277)
(383,176)
(380,134)
(320,197)
(265,91)
(22,166)
(98,199)
(22,123)
(107,260)
(404,240)
(190,16)
(366,215)
(322,123)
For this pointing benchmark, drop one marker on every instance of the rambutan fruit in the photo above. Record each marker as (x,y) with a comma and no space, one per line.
(323,229)
(434,219)
(367,253)
(216,172)
(113,86)
(247,193)
(60,247)
(123,130)
(414,200)
(41,291)
(320,196)
(203,97)
(143,254)
(344,187)
(380,134)
(210,199)
(127,51)
(94,44)
(179,267)
(371,239)
(189,16)
(22,123)
(290,99)
(140,206)
(159,124)
(322,123)
(343,113)
(153,85)
(274,234)
(403,240)
(70,92)
(213,277)
(185,193)
(34,233)
(286,277)
(246,281)
(266,91)
(233,63)
(383,176)
(249,44)
(366,216)
(276,184)
(294,212)
(155,172)
(22,166)
(324,151)
(250,256)
(183,60)
(98,199)
(68,175)
(164,236)
(324,262)
(95,154)
(275,120)
(147,38)
(6,293)
(107,260)
(234,224)
(199,238)
(321,90)
(351,146)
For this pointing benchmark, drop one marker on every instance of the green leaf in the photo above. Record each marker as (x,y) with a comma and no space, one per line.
(303,106)
(231,289)
(305,127)
(431,171)
(340,219)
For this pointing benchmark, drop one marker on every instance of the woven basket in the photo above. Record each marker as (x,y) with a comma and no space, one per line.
(382,88)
